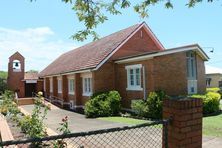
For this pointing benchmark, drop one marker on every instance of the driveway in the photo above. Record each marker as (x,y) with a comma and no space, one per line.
(77,122)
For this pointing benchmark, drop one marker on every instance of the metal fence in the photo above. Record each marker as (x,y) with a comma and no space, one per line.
(147,135)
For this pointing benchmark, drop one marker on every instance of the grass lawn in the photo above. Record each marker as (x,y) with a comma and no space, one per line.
(125,120)
(212,126)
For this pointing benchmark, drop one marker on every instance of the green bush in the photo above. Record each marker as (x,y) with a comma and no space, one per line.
(8,106)
(151,107)
(103,104)
(215,89)
(3,85)
(211,102)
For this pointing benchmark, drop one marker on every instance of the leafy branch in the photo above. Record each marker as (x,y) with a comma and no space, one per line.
(94,12)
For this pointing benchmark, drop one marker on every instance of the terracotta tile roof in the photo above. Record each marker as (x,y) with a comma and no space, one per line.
(31,76)
(89,55)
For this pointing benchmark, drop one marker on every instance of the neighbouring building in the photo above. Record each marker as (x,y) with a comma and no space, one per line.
(213,77)
(132,61)
(19,81)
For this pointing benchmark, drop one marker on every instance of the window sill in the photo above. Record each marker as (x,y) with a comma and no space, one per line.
(59,92)
(134,89)
(71,93)
(87,94)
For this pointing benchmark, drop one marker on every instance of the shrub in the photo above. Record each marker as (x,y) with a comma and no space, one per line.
(151,107)
(103,104)
(211,102)
(3,85)
(33,125)
(140,107)
(215,89)
(8,106)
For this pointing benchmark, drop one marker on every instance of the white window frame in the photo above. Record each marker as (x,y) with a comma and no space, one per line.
(71,92)
(51,85)
(134,87)
(88,79)
(59,85)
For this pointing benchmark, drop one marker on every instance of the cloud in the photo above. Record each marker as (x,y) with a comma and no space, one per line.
(40,46)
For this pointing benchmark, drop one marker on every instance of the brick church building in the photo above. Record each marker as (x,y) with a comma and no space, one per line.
(19,81)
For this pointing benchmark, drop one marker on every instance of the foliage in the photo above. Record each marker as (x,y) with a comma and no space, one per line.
(65,130)
(3,85)
(151,107)
(3,75)
(211,102)
(215,89)
(94,12)
(64,126)
(33,125)
(8,106)
(3,81)
(103,104)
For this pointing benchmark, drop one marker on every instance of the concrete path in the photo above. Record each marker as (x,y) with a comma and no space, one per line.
(77,122)
(212,142)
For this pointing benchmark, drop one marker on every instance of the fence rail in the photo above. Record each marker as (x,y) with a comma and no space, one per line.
(147,135)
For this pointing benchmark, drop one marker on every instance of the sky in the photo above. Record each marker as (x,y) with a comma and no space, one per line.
(41,30)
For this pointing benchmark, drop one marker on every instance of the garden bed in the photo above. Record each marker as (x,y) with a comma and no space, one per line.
(15,129)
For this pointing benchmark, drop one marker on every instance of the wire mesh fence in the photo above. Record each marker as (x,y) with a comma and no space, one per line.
(148,135)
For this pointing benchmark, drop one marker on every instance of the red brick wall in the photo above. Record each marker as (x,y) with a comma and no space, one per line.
(201,79)
(15,78)
(39,86)
(78,89)
(136,45)
(103,78)
(185,128)
(47,86)
(65,88)
(55,87)
(170,74)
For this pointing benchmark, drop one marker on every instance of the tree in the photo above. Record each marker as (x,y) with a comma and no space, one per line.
(92,12)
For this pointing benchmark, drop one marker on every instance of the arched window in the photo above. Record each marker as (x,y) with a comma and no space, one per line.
(16,66)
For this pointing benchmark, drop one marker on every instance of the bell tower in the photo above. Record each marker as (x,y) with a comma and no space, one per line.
(16,71)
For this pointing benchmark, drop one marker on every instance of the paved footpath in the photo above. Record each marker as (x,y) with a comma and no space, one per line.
(212,142)
(77,122)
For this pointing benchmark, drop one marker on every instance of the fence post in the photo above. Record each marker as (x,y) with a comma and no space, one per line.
(185,128)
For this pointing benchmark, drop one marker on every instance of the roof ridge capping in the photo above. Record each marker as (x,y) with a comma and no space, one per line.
(195,47)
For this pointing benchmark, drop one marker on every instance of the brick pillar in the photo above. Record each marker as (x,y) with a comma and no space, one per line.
(47,87)
(65,88)
(55,86)
(78,89)
(185,129)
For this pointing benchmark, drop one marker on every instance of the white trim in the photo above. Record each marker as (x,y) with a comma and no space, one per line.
(68,73)
(133,66)
(30,81)
(161,53)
